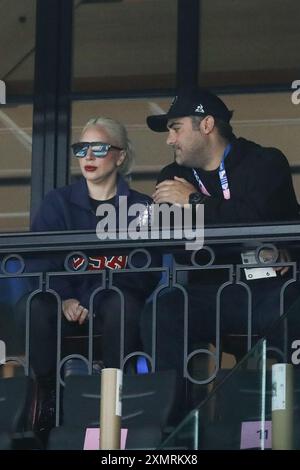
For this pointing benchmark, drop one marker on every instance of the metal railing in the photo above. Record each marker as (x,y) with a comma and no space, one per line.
(17,249)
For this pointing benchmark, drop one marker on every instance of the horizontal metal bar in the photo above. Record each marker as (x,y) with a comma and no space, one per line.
(56,241)
(147,173)
(16,99)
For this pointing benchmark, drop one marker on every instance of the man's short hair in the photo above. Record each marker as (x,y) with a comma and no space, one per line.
(224,128)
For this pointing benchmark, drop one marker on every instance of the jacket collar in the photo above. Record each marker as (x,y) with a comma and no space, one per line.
(233,156)
(79,194)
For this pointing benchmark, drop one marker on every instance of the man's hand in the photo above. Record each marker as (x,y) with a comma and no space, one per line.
(283,257)
(73,311)
(175,191)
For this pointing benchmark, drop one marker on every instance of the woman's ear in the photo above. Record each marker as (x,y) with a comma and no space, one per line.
(121,158)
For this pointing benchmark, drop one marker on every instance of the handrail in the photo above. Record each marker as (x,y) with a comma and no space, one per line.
(37,241)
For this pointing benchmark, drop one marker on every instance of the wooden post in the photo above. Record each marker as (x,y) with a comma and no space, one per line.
(282,406)
(110,409)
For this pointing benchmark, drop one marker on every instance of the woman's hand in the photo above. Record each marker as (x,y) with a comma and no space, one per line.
(73,311)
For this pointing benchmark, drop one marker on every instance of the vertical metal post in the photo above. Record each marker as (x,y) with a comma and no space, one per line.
(51,110)
(187,44)
(282,406)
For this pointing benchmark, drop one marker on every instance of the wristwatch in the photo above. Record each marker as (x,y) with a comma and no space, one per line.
(196,198)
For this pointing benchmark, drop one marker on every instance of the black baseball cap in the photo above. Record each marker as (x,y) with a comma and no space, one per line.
(201,102)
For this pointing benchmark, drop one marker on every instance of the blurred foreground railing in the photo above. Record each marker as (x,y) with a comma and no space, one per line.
(225,243)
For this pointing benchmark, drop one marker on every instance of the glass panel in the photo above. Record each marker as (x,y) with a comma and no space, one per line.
(16,145)
(125,45)
(152,153)
(283,347)
(253,407)
(237,399)
(249,42)
(17,45)
(270,119)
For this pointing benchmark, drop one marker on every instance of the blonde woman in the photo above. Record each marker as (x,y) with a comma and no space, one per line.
(105,155)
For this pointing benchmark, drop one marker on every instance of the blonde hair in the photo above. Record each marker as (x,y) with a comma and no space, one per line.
(119,135)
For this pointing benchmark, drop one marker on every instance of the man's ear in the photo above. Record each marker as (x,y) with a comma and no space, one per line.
(207,124)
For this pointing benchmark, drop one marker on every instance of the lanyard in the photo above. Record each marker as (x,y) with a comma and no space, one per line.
(222,177)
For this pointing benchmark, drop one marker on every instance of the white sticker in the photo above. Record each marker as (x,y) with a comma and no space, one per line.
(278,387)
(119,384)
(255,273)
(2,92)
(252,435)
(2,352)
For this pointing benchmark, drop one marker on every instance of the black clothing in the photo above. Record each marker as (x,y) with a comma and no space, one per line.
(260,185)
(71,208)
(107,322)
(95,203)
(261,191)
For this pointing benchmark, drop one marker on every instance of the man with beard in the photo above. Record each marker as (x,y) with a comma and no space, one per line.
(239,182)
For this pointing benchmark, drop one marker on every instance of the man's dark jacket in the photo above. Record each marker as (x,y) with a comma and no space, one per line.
(260,186)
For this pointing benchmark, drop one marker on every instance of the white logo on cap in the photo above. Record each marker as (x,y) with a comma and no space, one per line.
(174,100)
(199,109)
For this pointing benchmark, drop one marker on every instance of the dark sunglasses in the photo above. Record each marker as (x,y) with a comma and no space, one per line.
(99,149)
